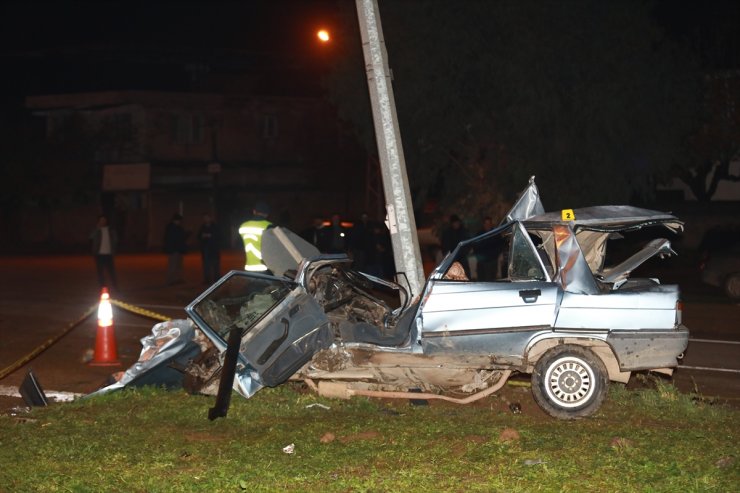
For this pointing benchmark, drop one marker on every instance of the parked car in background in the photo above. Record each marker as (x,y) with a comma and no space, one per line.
(721,268)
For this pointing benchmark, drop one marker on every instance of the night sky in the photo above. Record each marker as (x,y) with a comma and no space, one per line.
(68,46)
(75,45)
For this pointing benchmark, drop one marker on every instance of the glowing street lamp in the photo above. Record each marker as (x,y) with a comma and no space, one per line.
(323,35)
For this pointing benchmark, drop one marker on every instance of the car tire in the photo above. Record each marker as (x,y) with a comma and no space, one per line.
(569,382)
(732,286)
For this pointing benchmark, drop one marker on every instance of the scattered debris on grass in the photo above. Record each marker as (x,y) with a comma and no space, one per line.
(534,462)
(316,404)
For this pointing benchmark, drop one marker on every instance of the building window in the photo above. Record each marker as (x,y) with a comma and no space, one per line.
(119,127)
(188,128)
(197,128)
(116,138)
(269,127)
(179,131)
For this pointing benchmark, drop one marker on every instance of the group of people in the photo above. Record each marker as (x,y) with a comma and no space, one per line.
(104,241)
(487,256)
(175,246)
(366,241)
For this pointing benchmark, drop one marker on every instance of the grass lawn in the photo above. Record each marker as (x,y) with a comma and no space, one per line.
(151,440)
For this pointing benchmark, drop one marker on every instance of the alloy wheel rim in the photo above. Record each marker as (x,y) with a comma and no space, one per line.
(569,382)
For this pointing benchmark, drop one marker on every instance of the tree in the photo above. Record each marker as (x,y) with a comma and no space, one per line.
(716,142)
(586,95)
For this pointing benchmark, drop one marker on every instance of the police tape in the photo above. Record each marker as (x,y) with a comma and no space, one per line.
(140,311)
(53,340)
(48,343)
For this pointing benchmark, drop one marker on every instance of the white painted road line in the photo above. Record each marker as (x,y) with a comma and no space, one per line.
(714,341)
(705,368)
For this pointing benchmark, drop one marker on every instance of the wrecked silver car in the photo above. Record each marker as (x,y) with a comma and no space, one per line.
(550,307)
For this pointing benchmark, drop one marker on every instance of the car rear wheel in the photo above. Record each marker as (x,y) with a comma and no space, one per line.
(569,382)
(732,286)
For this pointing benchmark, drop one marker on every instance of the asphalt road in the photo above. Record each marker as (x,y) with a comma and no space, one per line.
(40,296)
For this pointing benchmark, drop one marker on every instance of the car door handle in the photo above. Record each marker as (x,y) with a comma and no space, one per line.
(275,344)
(530,295)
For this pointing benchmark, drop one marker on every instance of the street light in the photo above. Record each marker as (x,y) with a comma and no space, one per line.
(323,35)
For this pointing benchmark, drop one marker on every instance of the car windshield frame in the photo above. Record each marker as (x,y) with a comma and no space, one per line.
(227,305)
(520,238)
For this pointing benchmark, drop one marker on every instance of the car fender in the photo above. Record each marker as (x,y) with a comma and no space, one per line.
(599,347)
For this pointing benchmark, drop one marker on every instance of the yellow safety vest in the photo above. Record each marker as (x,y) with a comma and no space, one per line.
(251,233)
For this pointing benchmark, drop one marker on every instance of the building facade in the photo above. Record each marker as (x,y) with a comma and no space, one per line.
(151,154)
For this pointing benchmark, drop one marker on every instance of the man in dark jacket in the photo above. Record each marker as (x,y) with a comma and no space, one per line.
(209,250)
(174,247)
(335,237)
(104,242)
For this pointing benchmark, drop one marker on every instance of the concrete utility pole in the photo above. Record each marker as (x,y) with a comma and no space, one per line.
(401,221)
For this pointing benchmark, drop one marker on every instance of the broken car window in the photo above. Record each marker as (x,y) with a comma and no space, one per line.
(239,302)
(525,263)
(506,255)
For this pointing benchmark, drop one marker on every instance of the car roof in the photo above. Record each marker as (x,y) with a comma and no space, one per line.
(607,218)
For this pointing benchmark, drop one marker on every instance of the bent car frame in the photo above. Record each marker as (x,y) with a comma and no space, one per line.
(548,306)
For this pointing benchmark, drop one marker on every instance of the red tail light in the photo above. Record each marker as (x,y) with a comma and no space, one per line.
(679,312)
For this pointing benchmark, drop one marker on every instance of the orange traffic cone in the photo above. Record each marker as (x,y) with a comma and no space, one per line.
(106,352)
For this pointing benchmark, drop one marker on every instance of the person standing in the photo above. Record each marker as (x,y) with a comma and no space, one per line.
(251,232)
(486,254)
(334,238)
(361,244)
(452,236)
(174,247)
(104,242)
(210,250)
(313,233)
(380,258)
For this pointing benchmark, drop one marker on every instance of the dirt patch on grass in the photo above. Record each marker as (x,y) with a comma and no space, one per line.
(363,435)
(8,404)
(459,448)
(513,400)
(200,436)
